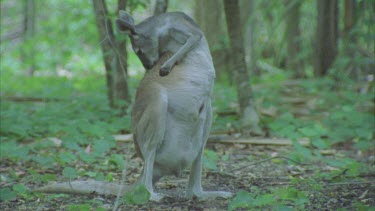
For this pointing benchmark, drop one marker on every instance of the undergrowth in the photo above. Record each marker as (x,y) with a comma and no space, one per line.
(55,134)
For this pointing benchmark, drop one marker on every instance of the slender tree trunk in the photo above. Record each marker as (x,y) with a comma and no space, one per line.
(121,5)
(121,68)
(349,38)
(326,36)
(213,26)
(29,29)
(161,6)
(248,25)
(249,117)
(293,36)
(349,15)
(114,63)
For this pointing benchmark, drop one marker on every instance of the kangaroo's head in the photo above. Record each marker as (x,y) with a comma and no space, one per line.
(143,38)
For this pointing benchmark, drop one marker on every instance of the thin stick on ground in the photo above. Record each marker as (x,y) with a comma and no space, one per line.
(120,191)
(269,159)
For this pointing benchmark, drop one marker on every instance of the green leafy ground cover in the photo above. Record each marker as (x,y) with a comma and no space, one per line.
(70,137)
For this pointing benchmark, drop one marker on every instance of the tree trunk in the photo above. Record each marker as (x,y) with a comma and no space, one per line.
(249,118)
(115,65)
(293,36)
(326,36)
(248,25)
(161,6)
(213,26)
(29,29)
(349,39)
(121,5)
(349,15)
(121,68)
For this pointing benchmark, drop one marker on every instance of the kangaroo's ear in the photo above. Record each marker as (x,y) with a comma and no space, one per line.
(125,23)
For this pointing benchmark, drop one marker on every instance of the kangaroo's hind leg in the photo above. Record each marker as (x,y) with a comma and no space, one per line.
(149,134)
(194,187)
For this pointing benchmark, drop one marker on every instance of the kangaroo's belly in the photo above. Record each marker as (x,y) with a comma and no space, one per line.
(189,88)
(188,103)
(180,146)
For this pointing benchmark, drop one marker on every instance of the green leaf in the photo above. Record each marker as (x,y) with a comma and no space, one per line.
(109,177)
(291,194)
(364,145)
(99,176)
(320,143)
(90,174)
(44,160)
(286,193)
(354,169)
(48,177)
(6,194)
(241,200)
(139,195)
(209,164)
(78,207)
(101,146)
(67,157)
(10,149)
(300,153)
(88,158)
(69,172)
(362,207)
(262,200)
(20,188)
(314,131)
(118,160)
(210,159)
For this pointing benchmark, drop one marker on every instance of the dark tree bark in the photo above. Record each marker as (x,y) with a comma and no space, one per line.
(161,6)
(326,36)
(115,64)
(249,118)
(293,36)
(121,84)
(349,15)
(248,25)
(29,31)
(213,26)
(349,38)
(121,5)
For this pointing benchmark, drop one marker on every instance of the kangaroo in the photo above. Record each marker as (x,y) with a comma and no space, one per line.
(172,115)
(173,32)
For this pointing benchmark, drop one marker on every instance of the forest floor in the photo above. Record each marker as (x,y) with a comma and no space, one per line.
(238,168)
(335,171)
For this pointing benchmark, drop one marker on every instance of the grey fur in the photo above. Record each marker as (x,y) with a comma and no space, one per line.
(172,118)
(173,32)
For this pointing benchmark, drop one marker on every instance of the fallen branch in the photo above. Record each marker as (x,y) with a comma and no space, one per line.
(269,159)
(352,183)
(224,139)
(123,137)
(85,188)
(259,141)
(30,99)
